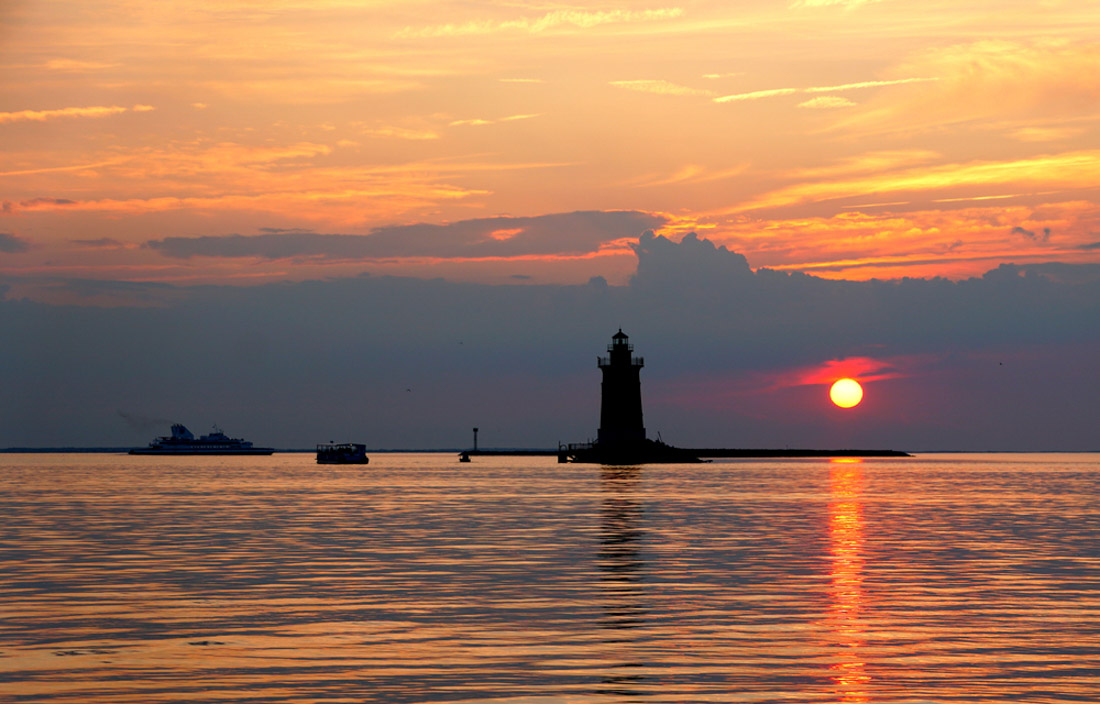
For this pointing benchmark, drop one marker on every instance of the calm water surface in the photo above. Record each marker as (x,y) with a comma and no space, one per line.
(942,578)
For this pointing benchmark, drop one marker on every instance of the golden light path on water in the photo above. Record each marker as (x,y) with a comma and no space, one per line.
(846,545)
(940,578)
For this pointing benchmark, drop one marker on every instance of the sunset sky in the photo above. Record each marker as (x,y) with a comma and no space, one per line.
(151,147)
(851,139)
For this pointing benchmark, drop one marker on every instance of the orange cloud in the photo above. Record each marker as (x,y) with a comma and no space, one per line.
(827,101)
(401,133)
(689,174)
(480,122)
(867,84)
(984,80)
(866,163)
(76,66)
(557,19)
(820,102)
(61,169)
(1066,171)
(660,87)
(317,204)
(846,4)
(42,115)
(336,182)
(956,243)
(756,95)
(1045,134)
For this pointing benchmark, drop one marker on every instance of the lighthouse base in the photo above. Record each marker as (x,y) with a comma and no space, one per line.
(643,452)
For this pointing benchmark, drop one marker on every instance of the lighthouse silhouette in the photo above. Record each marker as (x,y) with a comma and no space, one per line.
(621,437)
(621,394)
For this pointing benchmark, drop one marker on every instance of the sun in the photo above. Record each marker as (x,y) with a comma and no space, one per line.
(846,393)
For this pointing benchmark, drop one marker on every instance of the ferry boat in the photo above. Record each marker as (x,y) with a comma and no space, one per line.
(342,453)
(183,442)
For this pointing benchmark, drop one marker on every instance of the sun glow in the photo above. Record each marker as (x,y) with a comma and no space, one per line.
(846,393)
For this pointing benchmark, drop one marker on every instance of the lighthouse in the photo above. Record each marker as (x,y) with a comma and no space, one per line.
(621,395)
(621,438)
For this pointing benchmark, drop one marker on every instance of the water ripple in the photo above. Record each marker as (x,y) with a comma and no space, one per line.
(954,578)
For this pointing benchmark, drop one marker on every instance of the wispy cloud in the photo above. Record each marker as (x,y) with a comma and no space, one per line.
(904,239)
(826,102)
(691,173)
(37,204)
(401,133)
(847,4)
(1069,170)
(867,163)
(576,19)
(978,199)
(660,87)
(101,243)
(756,95)
(822,102)
(294,180)
(1045,134)
(867,84)
(1013,82)
(480,122)
(92,111)
(76,66)
(299,203)
(61,169)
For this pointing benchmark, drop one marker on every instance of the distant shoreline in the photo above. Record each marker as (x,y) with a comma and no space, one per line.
(126,450)
(745,453)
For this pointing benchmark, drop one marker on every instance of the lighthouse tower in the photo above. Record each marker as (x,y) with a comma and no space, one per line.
(621,439)
(621,423)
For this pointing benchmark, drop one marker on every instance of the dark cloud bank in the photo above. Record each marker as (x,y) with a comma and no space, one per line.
(11,244)
(559,233)
(1004,362)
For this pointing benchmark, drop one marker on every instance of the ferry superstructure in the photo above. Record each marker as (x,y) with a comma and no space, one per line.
(183,442)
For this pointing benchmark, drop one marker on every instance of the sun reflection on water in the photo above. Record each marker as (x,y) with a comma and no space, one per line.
(414,580)
(848,673)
